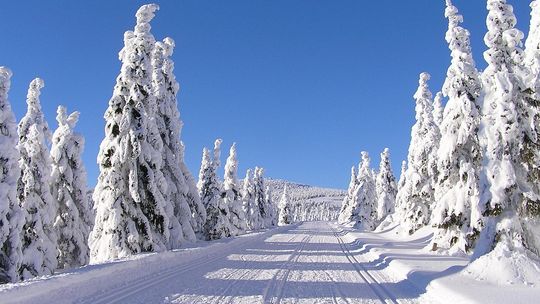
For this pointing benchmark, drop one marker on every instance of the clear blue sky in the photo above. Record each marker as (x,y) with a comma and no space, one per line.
(302,86)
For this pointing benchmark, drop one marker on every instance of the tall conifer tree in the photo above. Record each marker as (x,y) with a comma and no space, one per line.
(416,195)
(459,155)
(34,194)
(165,88)
(132,214)
(11,215)
(232,196)
(386,187)
(68,187)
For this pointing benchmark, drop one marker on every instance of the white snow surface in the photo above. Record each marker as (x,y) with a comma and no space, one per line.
(310,262)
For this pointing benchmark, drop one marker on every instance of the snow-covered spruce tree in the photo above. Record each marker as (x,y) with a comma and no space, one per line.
(284,209)
(68,188)
(438,109)
(165,88)
(11,216)
(217,224)
(507,198)
(459,155)
(33,190)
(271,214)
(400,192)
(433,140)
(132,215)
(248,198)
(232,196)
(364,214)
(258,209)
(531,115)
(532,53)
(345,212)
(296,209)
(386,187)
(402,175)
(198,212)
(416,195)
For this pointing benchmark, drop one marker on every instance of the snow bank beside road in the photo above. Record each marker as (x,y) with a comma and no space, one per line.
(84,281)
(444,278)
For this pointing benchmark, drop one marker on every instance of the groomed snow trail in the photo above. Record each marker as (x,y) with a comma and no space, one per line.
(312,262)
(306,263)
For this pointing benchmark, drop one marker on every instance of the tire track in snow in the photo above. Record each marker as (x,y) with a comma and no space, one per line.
(378,289)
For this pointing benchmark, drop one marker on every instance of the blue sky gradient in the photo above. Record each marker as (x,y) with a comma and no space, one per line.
(302,86)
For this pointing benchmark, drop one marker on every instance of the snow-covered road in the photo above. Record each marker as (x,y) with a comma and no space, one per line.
(312,262)
(308,263)
(303,263)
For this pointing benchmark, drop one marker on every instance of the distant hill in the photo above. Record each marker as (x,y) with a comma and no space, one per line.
(305,193)
(310,203)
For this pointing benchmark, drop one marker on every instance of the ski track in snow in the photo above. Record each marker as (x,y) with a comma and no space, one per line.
(303,263)
(384,295)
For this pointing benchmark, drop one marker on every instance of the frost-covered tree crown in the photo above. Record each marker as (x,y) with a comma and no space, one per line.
(34,114)
(502,39)
(438,108)
(231,167)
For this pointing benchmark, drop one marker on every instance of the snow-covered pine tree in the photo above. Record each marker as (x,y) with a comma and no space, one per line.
(438,109)
(284,209)
(68,188)
(258,209)
(11,215)
(506,198)
(459,155)
(364,214)
(217,224)
(38,237)
(386,187)
(416,195)
(165,88)
(232,196)
(132,215)
(198,212)
(345,212)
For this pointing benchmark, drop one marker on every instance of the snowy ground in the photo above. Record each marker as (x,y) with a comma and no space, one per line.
(306,263)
